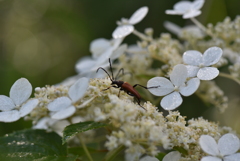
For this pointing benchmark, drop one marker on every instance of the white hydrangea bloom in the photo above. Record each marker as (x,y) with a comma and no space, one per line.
(187,9)
(224,150)
(172,156)
(198,64)
(63,107)
(126,25)
(17,106)
(172,89)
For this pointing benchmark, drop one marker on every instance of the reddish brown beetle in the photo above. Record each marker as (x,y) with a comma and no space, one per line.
(124,86)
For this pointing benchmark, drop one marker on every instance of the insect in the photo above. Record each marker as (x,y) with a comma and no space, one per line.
(124,86)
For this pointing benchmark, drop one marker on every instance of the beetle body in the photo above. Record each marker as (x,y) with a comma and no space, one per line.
(124,86)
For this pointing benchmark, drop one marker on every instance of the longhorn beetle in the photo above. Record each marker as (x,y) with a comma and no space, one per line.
(125,86)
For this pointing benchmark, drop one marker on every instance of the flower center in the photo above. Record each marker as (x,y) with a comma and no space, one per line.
(201,65)
(176,88)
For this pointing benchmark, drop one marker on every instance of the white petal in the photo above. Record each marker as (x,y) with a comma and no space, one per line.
(78,89)
(138,15)
(9,116)
(197,4)
(191,87)
(207,73)
(98,46)
(42,123)
(122,31)
(173,12)
(166,86)
(192,70)
(28,107)
(191,14)
(59,126)
(210,158)
(233,157)
(209,145)
(59,104)
(84,64)
(192,57)
(172,27)
(179,75)
(228,144)
(172,156)
(212,56)
(20,91)
(116,43)
(103,58)
(118,52)
(182,6)
(171,101)
(6,103)
(86,102)
(65,113)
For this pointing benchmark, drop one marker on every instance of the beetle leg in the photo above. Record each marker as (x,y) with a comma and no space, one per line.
(138,101)
(109,87)
(145,87)
(121,89)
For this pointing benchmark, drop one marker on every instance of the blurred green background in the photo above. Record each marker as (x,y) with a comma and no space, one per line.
(42,39)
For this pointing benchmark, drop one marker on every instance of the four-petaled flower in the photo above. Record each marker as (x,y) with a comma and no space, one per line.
(187,9)
(173,88)
(17,106)
(198,64)
(126,25)
(224,150)
(102,50)
(63,107)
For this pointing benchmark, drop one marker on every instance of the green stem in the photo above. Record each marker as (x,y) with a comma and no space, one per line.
(142,36)
(203,28)
(110,155)
(230,77)
(85,148)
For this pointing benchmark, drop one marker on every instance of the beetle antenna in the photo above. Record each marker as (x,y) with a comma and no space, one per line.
(105,72)
(111,68)
(123,73)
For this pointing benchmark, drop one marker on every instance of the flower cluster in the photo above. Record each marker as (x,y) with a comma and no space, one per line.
(169,67)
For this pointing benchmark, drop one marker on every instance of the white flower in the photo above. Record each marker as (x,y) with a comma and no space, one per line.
(50,124)
(172,156)
(192,30)
(17,106)
(225,150)
(198,63)
(126,25)
(101,50)
(187,9)
(173,88)
(63,107)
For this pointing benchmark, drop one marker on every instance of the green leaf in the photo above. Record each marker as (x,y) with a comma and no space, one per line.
(37,145)
(74,129)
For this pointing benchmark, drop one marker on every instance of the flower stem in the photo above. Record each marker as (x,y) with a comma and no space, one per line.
(142,36)
(230,77)
(203,28)
(85,148)
(110,155)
